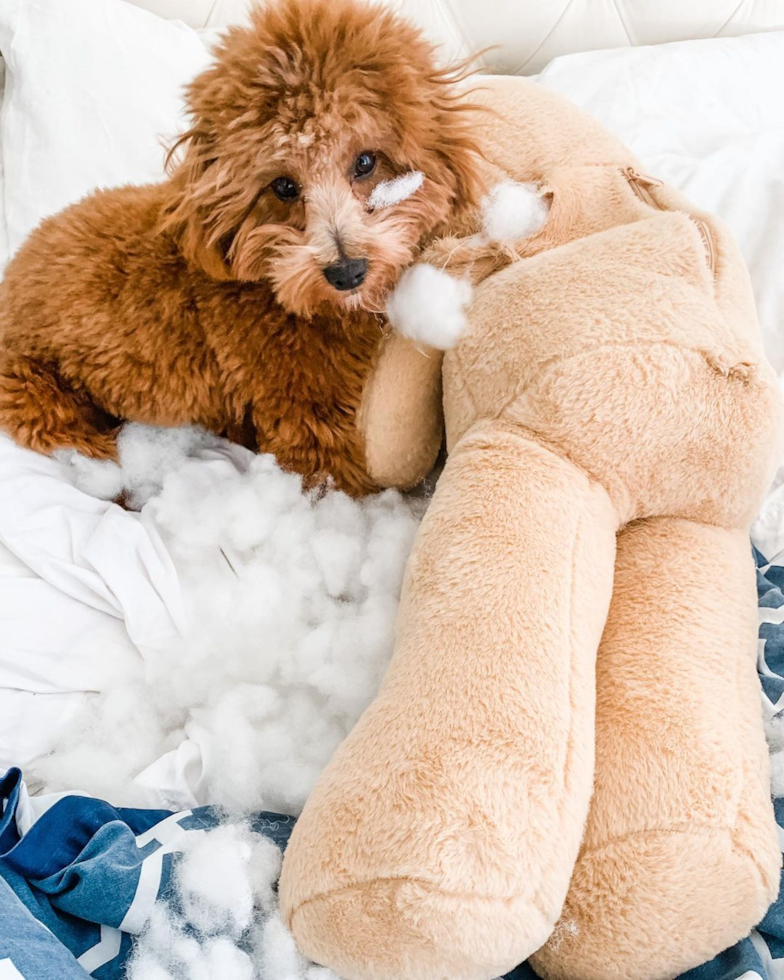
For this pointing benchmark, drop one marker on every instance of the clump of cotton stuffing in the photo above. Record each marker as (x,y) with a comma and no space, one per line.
(428,306)
(513,211)
(102,478)
(220,919)
(777,774)
(214,883)
(390,192)
(289,602)
(148,453)
(774,733)
(278,953)
(171,948)
(144,455)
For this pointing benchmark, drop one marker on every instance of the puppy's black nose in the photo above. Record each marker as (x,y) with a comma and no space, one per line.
(346,274)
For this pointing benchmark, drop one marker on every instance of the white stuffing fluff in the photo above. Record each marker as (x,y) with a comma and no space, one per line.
(279,957)
(397,189)
(513,211)
(214,883)
(777,774)
(564,929)
(290,606)
(146,454)
(101,478)
(221,920)
(290,599)
(429,306)
(774,732)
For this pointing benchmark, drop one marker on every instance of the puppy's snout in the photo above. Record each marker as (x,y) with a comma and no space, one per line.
(346,274)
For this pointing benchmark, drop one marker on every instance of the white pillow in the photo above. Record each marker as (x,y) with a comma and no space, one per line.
(3,225)
(93,88)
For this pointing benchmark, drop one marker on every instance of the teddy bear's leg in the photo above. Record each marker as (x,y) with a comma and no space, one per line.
(680,857)
(440,840)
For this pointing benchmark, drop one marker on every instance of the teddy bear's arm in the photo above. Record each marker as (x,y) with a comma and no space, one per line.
(400,418)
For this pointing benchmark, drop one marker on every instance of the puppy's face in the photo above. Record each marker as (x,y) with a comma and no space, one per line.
(312,230)
(301,117)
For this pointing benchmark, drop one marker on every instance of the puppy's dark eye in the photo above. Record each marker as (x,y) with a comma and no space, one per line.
(285,188)
(364,164)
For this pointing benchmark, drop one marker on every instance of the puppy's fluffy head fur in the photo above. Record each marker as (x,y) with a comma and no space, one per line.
(300,117)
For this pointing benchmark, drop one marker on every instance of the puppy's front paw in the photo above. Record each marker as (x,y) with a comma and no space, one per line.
(428,306)
(514,211)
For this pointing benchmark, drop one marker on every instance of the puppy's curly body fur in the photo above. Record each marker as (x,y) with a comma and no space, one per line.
(203,299)
(120,326)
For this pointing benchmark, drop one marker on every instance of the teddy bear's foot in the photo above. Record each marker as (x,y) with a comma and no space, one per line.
(680,858)
(440,840)
(388,929)
(653,905)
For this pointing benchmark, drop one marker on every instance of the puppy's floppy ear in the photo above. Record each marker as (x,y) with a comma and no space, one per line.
(194,215)
(437,120)
(458,123)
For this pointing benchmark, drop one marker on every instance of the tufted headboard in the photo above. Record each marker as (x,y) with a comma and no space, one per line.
(529,33)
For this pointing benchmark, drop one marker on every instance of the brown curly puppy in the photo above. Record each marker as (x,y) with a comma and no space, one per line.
(241,294)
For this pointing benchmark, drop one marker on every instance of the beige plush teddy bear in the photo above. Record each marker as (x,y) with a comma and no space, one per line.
(566,758)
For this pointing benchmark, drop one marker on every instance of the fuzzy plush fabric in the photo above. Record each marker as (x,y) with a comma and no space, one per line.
(219,297)
(611,383)
(462,898)
(678,857)
(402,435)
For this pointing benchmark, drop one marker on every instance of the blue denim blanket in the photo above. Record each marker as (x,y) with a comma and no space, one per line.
(78,877)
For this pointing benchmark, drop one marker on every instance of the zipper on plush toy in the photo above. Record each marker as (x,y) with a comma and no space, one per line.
(640,183)
(707,239)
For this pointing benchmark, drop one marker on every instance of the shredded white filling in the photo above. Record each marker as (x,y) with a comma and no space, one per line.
(429,306)
(393,191)
(513,211)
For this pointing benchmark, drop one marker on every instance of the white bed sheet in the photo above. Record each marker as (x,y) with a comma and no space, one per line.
(84,586)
